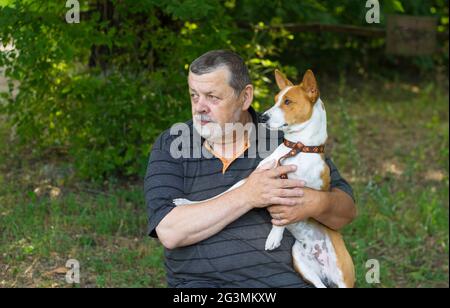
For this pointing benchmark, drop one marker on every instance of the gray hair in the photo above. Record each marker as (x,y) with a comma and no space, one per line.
(214,59)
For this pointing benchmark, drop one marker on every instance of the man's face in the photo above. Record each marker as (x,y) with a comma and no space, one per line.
(214,103)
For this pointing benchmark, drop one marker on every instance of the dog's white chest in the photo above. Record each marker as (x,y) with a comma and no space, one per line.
(310,168)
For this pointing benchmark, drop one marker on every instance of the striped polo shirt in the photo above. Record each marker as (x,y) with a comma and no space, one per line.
(235,256)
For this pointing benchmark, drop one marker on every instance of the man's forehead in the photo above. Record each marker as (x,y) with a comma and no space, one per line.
(217,78)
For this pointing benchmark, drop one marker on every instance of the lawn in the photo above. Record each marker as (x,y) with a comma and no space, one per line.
(390,141)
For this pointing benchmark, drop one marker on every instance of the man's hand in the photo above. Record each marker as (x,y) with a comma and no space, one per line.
(335,209)
(311,203)
(264,187)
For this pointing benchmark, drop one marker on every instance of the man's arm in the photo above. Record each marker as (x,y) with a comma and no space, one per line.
(189,224)
(337,209)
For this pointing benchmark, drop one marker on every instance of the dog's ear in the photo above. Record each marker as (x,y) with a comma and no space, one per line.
(281,80)
(309,84)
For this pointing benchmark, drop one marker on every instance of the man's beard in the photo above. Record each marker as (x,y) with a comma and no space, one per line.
(213,132)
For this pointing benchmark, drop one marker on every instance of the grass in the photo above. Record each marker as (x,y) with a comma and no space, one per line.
(389,141)
(105,233)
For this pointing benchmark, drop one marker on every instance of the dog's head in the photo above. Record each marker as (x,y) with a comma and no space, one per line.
(294,103)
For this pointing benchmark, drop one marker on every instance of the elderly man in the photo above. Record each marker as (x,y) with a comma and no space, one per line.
(220,243)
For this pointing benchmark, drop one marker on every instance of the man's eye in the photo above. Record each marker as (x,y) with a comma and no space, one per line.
(287,102)
(212,97)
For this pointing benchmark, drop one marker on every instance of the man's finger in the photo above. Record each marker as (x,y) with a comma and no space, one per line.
(282,183)
(280,223)
(292,192)
(283,201)
(275,209)
(268,165)
(278,171)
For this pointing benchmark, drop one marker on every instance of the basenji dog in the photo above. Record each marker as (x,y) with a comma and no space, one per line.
(319,253)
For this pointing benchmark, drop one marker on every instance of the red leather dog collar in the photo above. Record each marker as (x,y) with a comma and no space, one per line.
(298,147)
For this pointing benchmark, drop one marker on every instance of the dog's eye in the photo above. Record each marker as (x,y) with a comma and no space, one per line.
(287,102)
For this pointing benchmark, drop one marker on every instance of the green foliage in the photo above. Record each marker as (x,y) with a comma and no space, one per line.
(107,114)
(103,89)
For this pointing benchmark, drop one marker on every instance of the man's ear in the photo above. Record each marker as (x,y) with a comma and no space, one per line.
(247,97)
(309,84)
(281,80)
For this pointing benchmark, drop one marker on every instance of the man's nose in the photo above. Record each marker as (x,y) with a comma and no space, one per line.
(201,106)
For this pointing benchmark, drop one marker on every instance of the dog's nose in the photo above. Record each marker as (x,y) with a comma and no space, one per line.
(263,118)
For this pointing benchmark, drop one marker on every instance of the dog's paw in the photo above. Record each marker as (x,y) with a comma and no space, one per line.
(273,240)
(181,201)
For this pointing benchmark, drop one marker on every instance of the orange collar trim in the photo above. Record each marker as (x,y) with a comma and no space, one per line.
(226,162)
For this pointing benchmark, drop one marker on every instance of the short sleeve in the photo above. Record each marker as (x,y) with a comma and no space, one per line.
(164,181)
(337,181)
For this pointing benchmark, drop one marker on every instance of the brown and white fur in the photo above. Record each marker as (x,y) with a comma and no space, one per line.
(319,253)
